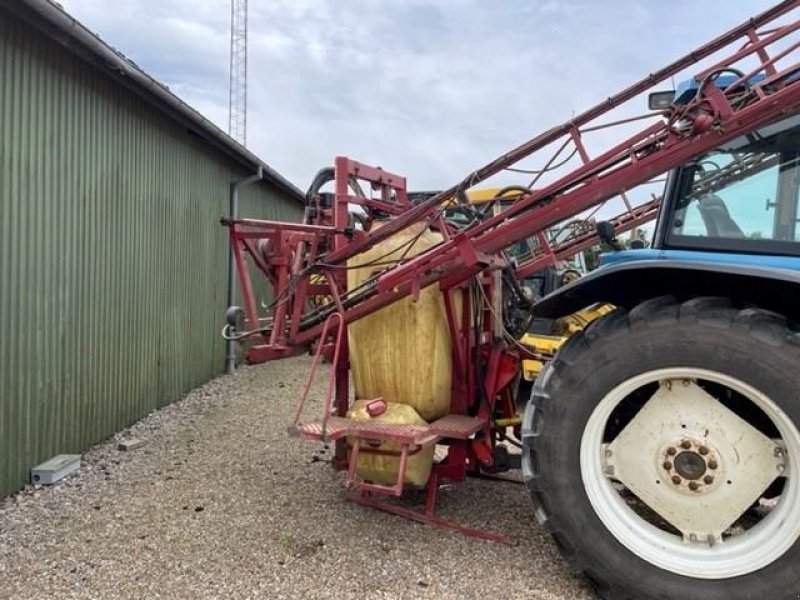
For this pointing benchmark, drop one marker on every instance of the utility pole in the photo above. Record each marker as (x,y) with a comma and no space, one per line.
(237,106)
(237,129)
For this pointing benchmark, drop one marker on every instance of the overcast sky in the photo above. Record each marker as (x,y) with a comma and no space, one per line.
(429,89)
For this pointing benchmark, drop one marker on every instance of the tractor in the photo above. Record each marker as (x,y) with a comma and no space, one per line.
(665,433)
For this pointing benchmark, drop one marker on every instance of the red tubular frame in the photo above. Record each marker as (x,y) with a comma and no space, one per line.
(308,260)
(744,32)
(710,119)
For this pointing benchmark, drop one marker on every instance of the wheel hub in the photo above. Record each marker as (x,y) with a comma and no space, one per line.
(691,465)
(692,461)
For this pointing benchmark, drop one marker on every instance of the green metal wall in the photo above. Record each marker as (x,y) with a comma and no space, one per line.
(113,270)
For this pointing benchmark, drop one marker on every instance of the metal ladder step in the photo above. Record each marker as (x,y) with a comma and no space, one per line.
(458,427)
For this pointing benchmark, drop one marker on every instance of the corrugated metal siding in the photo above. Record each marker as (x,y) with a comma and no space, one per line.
(113,270)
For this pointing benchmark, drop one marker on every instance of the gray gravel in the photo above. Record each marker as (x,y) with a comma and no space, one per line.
(220,502)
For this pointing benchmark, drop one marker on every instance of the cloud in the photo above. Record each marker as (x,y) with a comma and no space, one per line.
(430,89)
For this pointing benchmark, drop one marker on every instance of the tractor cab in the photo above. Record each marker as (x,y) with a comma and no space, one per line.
(738,203)
(728,224)
(739,198)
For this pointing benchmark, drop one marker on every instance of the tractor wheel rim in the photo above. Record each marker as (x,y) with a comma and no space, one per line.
(750,551)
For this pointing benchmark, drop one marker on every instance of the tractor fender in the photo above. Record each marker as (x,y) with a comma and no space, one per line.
(628,283)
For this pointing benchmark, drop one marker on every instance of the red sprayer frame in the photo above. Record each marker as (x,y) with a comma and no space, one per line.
(274,247)
(306,261)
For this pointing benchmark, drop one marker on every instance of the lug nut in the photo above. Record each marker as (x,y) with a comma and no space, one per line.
(712,464)
(667,465)
(672,451)
(703,450)
(676,480)
(693,486)
(686,444)
(708,479)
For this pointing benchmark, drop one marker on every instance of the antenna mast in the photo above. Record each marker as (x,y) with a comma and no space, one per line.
(237,107)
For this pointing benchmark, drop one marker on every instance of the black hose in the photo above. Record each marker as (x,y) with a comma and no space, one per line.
(486,210)
(521,189)
(545,170)
(512,282)
(322,177)
(714,74)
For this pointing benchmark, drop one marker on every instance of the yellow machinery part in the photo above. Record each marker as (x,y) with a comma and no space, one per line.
(579,320)
(547,345)
(319,300)
(481,196)
(509,422)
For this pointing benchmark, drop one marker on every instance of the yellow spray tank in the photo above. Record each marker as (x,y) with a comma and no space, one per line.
(401,353)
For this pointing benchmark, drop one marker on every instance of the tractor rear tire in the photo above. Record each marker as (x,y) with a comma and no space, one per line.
(703,335)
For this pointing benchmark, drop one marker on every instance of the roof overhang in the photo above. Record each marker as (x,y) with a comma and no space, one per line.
(58,25)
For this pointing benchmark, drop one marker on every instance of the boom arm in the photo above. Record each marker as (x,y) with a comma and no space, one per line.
(309,259)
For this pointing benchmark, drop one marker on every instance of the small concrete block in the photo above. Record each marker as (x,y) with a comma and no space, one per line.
(55,469)
(130,444)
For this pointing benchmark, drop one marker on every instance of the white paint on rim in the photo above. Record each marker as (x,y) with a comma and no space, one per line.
(738,555)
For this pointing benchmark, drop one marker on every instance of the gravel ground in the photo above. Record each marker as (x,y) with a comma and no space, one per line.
(220,502)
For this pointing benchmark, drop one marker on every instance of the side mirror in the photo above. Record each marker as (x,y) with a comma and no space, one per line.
(660,100)
(606,233)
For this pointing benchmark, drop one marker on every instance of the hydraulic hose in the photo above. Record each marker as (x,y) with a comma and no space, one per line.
(323,176)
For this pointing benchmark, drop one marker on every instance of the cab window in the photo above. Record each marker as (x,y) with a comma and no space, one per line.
(741,199)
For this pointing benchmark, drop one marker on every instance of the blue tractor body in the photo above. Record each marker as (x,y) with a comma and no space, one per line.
(761,261)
